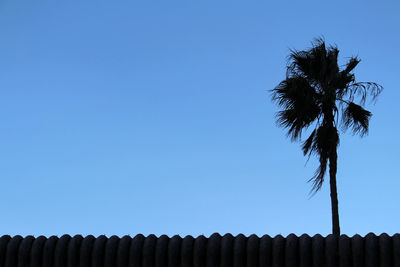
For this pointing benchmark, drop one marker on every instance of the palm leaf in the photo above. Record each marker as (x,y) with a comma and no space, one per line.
(308,143)
(318,179)
(300,103)
(310,63)
(353,62)
(357,118)
(362,90)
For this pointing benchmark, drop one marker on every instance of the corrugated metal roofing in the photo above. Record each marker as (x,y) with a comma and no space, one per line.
(214,251)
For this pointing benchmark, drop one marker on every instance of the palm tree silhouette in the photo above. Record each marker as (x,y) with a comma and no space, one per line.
(316,93)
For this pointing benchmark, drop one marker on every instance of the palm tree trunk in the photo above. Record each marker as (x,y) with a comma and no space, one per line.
(334,198)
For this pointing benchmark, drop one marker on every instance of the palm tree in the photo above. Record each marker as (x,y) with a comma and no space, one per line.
(316,92)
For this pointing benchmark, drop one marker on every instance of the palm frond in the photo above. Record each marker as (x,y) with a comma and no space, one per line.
(295,121)
(300,103)
(310,63)
(362,90)
(318,179)
(306,146)
(294,91)
(353,62)
(357,118)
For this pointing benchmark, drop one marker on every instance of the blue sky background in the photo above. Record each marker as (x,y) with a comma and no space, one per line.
(126,117)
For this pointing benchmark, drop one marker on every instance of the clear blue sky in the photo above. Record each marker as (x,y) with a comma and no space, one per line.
(126,117)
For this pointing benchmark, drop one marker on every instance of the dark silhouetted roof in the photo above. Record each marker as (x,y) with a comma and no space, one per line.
(215,251)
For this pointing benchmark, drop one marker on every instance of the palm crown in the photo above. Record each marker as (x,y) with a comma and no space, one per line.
(317,92)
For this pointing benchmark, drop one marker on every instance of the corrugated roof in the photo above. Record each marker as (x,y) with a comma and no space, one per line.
(214,251)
